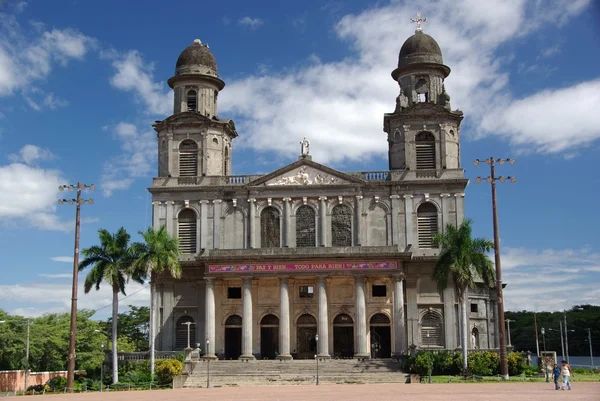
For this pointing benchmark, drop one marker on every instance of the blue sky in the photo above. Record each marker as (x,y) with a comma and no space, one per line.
(81,82)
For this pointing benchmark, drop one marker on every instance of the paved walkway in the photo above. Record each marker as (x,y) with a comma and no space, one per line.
(359,392)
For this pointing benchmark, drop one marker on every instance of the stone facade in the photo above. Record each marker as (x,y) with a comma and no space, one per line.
(270,261)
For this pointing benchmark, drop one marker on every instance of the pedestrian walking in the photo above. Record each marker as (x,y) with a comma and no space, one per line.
(566,373)
(556,376)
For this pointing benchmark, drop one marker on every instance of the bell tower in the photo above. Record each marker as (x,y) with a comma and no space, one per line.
(193,141)
(423,131)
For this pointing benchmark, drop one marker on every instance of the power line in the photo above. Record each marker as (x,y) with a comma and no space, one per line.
(122,299)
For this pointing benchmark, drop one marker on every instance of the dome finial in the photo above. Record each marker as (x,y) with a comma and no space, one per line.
(418,20)
(197,42)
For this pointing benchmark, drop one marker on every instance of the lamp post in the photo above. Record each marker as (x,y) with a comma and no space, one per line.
(544,359)
(27,323)
(73,330)
(492,180)
(103,357)
(188,324)
(208,364)
(317,357)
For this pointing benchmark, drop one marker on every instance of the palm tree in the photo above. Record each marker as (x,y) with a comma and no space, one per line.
(462,258)
(158,254)
(112,262)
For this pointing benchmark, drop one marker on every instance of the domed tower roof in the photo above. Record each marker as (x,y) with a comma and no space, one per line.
(418,51)
(196,60)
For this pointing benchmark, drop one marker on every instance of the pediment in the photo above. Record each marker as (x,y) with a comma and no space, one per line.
(305,172)
(186,118)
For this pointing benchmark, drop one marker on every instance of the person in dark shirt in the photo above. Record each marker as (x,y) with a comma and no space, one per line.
(556,375)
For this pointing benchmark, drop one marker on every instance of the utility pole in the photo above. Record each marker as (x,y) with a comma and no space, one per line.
(28,322)
(566,338)
(73,331)
(492,180)
(562,340)
(545,355)
(537,338)
(590,341)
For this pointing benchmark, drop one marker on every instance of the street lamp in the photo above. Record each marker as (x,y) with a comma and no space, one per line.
(317,356)
(103,358)
(73,330)
(500,324)
(28,323)
(208,364)
(544,359)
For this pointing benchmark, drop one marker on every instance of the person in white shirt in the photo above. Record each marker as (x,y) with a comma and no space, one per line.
(566,372)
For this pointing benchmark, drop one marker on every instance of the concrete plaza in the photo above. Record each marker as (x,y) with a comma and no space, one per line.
(359,392)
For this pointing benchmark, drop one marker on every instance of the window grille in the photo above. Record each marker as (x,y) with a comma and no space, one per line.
(270,228)
(233,320)
(425,147)
(427,224)
(432,333)
(341,226)
(379,318)
(187,231)
(306,320)
(192,101)
(305,227)
(188,159)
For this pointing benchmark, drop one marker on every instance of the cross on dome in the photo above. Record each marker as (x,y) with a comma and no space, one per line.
(419,21)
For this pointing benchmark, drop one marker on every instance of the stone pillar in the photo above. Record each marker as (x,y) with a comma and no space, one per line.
(284,319)
(247,321)
(322,217)
(171,228)
(171,155)
(400,345)
(408,211)
(252,221)
(460,208)
(203,224)
(209,324)
(412,313)
(323,323)
(361,319)
(216,223)
(357,218)
(445,211)
(286,221)
(156,214)
(394,201)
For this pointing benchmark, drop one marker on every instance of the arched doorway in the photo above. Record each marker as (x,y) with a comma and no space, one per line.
(269,337)
(233,337)
(343,336)
(381,336)
(181,332)
(306,329)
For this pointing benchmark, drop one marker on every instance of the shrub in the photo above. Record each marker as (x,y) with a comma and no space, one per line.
(582,371)
(484,363)
(516,363)
(57,383)
(424,363)
(531,370)
(167,369)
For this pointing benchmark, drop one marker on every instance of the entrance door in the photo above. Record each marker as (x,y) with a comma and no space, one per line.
(381,336)
(306,330)
(343,336)
(233,337)
(269,337)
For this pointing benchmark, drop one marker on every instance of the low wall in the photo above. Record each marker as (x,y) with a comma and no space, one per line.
(14,380)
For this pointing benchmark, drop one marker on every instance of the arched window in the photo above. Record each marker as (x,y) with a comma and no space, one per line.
(432,330)
(343,319)
(270,228)
(427,224)
(187,231)
(188,158)
(379,319)
(305,227)
(181,333)
(269,320)
(341,226)
(425,146)
(234,321)
(192,101)
(306,320)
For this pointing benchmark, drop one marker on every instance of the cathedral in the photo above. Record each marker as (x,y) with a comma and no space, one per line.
(308,260)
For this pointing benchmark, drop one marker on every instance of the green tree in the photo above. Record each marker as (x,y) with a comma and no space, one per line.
(462,259)
(112,262)
(159,254)
(134,325)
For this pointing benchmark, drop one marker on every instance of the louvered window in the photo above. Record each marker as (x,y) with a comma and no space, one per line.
(341,226)
(187,231)
(270,228)
(181,333)
(188,159)
(427,224)
(432,333)
(192,102)
(425,147)
(305,227)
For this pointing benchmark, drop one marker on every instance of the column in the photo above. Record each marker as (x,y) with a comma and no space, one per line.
(286,221)
(247,319)
(460,208)
(394,202)
(216,223)
(209,324)
(408,211)
(171,156)
(156,214)
(412,313)
(400,346)
(445,211)
(357,218)
(361,319)
(251,221)
(170,218)
(284,319)
(203,224)
(323,323)
(322,217)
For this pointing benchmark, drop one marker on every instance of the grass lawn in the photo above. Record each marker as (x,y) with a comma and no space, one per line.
(591,377)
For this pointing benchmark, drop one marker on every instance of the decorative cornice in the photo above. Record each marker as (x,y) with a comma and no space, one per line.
(407,196)
(217,201)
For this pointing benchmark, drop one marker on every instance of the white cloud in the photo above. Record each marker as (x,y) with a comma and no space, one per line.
(30,154)
(251,23)
(137,160)
(55,297)
(135,75)
(65,259)
(60,275)
(550,279)
(339,105)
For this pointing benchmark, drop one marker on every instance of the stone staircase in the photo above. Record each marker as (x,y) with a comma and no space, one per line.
(264,372)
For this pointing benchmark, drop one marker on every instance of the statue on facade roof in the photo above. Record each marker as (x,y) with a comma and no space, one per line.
(304,145)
